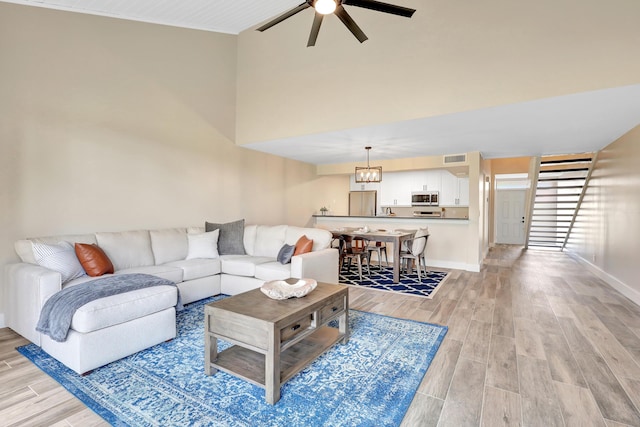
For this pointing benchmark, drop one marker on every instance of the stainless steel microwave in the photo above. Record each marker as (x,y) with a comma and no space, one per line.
(425,198)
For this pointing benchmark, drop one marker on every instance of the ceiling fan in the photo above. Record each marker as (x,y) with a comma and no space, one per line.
(326,7)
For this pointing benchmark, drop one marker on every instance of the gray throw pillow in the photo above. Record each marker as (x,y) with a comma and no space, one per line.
(285,254)
(230,241)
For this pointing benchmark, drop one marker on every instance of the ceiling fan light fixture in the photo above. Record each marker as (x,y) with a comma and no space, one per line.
(325,7)
(368,173)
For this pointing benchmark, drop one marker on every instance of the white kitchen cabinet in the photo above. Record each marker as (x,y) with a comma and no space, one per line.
(455,190)
(425,180)
(448,189)
(463,191)
(395,189)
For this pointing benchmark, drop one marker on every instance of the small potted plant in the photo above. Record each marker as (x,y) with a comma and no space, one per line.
(324,210)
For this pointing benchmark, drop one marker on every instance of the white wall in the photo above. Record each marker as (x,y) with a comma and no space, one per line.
(607,231)
(110,125)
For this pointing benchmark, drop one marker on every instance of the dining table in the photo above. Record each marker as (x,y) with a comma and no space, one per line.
(389,236)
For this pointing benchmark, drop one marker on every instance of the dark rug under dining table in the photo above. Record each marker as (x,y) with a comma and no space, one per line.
(382,279)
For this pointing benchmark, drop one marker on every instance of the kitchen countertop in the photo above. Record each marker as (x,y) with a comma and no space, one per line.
(391,217)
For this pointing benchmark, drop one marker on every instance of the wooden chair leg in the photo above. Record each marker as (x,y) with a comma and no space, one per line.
(368,257)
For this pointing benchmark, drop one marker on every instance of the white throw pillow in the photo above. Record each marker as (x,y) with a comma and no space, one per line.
(60,257)
(203,245)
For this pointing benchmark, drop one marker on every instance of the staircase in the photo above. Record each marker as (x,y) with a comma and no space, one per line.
(559,190)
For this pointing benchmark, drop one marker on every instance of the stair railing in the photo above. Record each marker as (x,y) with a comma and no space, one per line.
(534,173)
(594,158)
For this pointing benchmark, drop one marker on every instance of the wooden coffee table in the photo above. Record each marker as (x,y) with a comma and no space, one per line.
(273,339)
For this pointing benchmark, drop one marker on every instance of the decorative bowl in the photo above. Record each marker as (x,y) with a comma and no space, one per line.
(280,289)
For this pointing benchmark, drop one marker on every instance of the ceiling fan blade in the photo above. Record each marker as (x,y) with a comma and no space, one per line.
(315,29)
(350,23)
(284,16)
(381,7)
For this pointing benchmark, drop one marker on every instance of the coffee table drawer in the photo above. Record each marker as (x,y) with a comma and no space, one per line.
(244,330)
(332,308)
(294,328)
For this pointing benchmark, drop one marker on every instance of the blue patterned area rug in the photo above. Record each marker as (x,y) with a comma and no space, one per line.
(382,280)
(368,382)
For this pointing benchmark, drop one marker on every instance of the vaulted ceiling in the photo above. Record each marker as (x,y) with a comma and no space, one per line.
(578,122)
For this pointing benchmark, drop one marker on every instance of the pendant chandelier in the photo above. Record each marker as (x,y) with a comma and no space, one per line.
(368,173)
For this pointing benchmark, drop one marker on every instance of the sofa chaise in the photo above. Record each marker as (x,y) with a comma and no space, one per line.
(113,327)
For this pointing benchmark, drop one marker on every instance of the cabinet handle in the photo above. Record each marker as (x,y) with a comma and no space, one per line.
(334,309)
(295,327)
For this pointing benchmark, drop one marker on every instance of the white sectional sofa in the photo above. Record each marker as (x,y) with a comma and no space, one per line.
(113,327)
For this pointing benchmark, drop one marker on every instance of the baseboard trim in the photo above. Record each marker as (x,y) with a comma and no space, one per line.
(453,265)
(2,324)
(610,280)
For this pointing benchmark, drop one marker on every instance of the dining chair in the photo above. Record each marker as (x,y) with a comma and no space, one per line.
(415,251)
(379,248)
(354,247)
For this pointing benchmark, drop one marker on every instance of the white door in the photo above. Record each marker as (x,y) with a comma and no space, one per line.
(510,216)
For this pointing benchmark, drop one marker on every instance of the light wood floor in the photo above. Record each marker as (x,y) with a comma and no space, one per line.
(533,340)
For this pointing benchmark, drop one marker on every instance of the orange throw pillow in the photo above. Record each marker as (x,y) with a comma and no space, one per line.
(93,259)
(303,245)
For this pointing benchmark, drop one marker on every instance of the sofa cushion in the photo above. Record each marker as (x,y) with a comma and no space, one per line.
(321,238)
(169,244)
(116,309)
(285,254)
(249,238)
(197,268)
(165,271)
(273,271)
(127,249)
(203,245)
(59,257)
(93,259)
(242,265)
(230,241)
(268,240)
(303,245)
(24,249)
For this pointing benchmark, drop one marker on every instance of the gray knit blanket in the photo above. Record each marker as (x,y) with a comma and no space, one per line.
(56,315)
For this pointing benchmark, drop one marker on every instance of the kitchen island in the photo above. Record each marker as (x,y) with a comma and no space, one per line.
(446,247)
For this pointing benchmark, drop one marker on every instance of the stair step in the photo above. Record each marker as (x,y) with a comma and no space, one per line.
(558,195)
(545,246)
(555,162)
(554,216)
(564,170)
(555,187)
(576,178)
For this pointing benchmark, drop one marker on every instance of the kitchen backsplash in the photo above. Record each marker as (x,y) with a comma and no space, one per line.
(447,212)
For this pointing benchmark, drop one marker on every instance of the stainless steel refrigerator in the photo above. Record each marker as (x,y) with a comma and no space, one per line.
(362,203)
